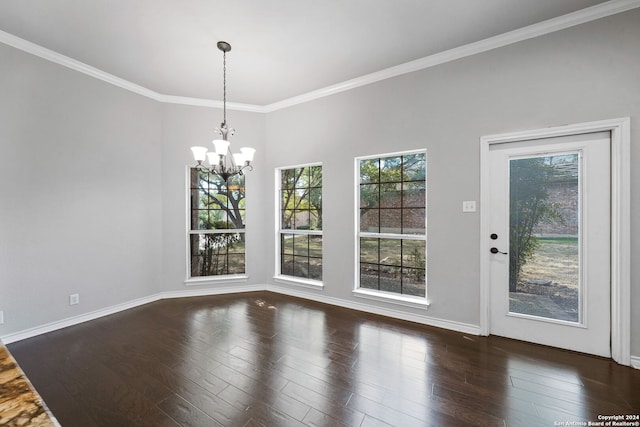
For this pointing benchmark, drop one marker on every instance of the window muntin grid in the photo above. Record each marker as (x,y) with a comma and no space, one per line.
(300,223)
(217,223)
(392,223)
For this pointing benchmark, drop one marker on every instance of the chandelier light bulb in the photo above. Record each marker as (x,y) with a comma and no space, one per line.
(221,146)
(248,153)
(199,154)
(213,158)
(238,159)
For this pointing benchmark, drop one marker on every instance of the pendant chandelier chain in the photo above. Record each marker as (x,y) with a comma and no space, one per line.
(224,87)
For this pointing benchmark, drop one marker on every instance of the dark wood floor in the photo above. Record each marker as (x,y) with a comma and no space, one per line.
(264,359)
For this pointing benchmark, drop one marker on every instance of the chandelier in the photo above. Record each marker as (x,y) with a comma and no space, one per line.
(221,161)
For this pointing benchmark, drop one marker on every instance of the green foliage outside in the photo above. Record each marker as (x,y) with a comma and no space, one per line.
(220,202)
(301,209)
(301,198)
(420,262)
(387,172)
(529,181)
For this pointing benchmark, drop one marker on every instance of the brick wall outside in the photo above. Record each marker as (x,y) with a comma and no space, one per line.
(390,214)
(565,194)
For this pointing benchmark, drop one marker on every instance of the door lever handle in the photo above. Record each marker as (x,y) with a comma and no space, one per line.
(496,251)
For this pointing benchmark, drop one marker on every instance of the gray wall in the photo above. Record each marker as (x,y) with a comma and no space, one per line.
(80,186)
(92,178)
(586,73)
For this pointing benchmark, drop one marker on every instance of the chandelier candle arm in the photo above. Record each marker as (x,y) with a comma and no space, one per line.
(221,161)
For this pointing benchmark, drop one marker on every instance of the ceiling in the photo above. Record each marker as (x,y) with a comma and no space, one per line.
(280,48)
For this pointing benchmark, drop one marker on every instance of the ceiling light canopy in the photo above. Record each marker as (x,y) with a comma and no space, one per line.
(221,161)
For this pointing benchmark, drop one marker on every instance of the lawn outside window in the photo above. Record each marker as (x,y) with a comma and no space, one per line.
(391,226)
(299,229)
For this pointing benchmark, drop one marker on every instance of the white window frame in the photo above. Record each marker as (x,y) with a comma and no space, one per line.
(401,299)
(279,277)
(206,280)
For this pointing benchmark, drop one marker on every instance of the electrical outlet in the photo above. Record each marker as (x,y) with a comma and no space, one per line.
(74,299)
(1,317)
(469,206)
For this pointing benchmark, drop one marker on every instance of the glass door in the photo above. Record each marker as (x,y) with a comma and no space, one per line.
(550,241)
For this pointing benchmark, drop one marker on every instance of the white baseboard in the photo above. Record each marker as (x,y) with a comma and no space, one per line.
(396,314)
(220,290)
(75,320)
(635,362)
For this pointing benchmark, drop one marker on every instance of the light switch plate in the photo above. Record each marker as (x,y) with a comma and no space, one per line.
(469,206)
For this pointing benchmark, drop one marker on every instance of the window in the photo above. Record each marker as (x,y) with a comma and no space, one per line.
(217,230)
(392,223)
(300,223)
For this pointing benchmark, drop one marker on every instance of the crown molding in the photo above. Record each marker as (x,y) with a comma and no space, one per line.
(202,102)
(65,61)
(592,13)
(589,14)
(60,59)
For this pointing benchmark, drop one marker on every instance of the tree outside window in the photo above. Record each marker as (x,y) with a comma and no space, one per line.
(300,230)
(217,226)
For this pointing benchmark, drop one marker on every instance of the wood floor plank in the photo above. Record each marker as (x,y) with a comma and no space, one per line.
(337,390)
(185,414)
(264,359)
(372,422)
(450,413)
(265,415)
(317,418)
(385,413)
(264,390)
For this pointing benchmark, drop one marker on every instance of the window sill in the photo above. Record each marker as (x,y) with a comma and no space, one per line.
(290,280)
(212,280)
(392,298)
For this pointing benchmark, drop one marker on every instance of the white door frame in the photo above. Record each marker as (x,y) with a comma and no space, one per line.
(620,223)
